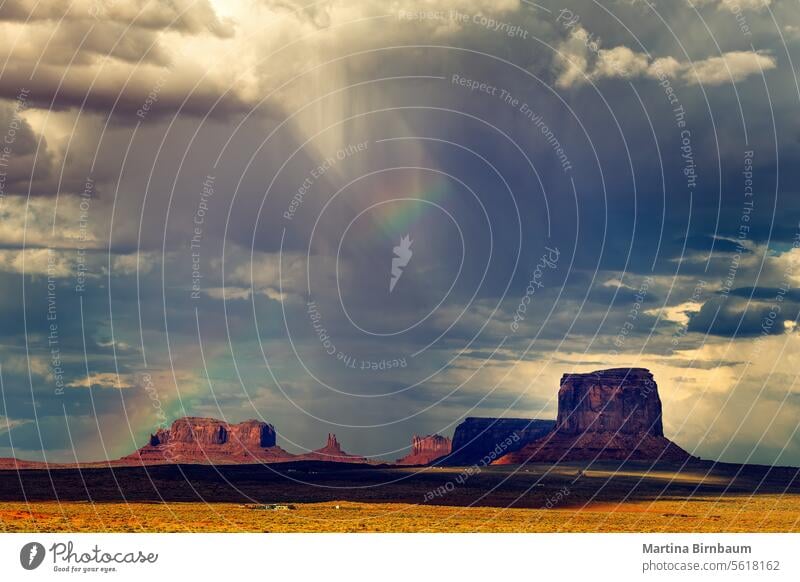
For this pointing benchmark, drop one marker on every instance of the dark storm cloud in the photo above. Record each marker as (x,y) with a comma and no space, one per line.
(108,56)
(705,243)
(80,90)
(27,161)
(737,319)
(767,294)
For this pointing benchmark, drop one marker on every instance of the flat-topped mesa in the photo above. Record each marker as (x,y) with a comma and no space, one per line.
(210,431)
(621,400)
(607,414)
(425,450)
(208,440)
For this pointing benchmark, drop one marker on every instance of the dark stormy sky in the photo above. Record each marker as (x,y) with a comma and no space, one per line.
(200,203)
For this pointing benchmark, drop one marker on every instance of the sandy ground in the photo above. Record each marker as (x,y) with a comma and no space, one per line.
(756,514)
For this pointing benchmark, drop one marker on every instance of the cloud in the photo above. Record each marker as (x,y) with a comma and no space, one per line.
(188,16)
(119,346)
(36,365)
(791,30)
(730,67)
(99,89)
(616,283)
(228,293)
(9,424)
(733,5)
(581,60)
(60,263)
(34,224)
(279,276)
(665,67)
(620,62)
(231,293)
(573,58)
(116,56)
(733,318)
(104,380)
(680,313)
(56,264)
(27,160)
(120,56)
(755,5)
(133,263)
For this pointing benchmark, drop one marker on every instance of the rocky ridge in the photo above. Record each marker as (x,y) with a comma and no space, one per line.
(477,437)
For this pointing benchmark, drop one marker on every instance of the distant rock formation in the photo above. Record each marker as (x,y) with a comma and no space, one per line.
(332,451)
(476,438)
(608,414)
(425,450)
(209,431)
(13,463)
(208,440)
(211,441)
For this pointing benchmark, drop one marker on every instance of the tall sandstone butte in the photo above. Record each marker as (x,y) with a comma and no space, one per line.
(425,450)
(608,414)
(332,452)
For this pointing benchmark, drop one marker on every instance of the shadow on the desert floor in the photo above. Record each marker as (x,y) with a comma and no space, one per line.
(531,486)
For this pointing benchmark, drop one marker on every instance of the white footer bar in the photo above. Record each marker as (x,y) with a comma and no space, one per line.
(380,557)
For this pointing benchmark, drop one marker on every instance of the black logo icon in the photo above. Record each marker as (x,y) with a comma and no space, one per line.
(31,555)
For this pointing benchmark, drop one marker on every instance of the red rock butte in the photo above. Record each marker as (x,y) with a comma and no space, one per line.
(208,440)
(425,450)
(332,451)
(211,441)
(607,414)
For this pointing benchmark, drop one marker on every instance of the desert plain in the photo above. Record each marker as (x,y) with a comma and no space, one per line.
(332,497)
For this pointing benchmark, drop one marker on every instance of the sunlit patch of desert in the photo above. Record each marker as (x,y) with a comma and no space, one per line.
(769,513)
